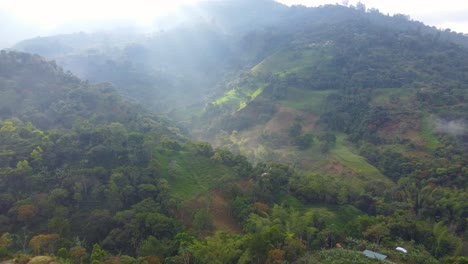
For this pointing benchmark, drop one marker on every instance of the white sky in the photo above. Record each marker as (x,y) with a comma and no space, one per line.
(20,19)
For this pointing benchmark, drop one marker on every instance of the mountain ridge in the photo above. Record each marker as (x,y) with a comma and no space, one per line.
(327,125)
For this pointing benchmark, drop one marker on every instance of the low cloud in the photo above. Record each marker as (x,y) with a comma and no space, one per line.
(451,127)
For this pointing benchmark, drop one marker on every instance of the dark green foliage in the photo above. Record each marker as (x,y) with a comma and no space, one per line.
(81,174)
(4,252)
(203,220)
(203,148)
(241,208)
(295,130)
(303,141)
(271,180)
(154,247)
(80,163)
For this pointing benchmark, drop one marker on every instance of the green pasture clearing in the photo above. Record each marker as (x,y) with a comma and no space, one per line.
(427,128)
(309,100)
(343,152)
(189,174)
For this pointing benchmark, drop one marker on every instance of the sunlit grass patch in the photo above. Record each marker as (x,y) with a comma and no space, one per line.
(189,174)
(432,143)
(345,155)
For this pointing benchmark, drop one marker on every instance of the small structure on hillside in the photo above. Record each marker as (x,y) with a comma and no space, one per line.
(372,254)
(401,250)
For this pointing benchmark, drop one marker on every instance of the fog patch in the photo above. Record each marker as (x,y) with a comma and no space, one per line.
(452,127)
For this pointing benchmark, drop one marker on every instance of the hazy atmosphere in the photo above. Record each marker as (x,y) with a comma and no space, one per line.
(23,19)
(241,131)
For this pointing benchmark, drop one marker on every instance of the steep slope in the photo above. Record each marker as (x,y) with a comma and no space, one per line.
(77,160)
(188,57)
(346,79)
(368,106)
(368,110)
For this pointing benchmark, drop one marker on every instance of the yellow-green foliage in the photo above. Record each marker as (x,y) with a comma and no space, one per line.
(43,260)
(8,127)
(240,97)
(282,63)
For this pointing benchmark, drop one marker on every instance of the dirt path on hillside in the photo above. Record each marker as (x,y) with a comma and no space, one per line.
(215,202)
(222,217)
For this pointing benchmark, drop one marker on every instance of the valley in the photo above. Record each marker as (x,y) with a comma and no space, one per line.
(251,133)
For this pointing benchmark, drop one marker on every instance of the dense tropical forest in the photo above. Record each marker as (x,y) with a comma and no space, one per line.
(253,133)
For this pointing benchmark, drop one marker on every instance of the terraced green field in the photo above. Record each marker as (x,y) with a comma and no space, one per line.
(296,61)
(345,155)
(283,63)
(240,97)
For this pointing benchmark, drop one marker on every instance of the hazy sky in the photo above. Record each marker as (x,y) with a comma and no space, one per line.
(451,14)
(21,19)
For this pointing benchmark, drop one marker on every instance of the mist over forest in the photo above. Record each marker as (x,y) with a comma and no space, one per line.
(235,132)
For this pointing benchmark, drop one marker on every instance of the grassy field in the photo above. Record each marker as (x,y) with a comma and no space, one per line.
(189,174)
(344,153)
(432,143)
(310,100)
(282,63)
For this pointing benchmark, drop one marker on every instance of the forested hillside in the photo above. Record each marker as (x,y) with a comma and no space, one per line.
(78,161)
(112,186)
(331,130)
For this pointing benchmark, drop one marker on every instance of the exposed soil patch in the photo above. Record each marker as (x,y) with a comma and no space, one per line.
(218,207)
(222,217)
(278,126)
(404,129)
(337,168)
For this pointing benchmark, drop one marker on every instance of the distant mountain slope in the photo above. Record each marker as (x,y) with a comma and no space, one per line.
(210,43)
(38,91)
(366,112)
(349,62)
